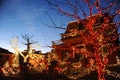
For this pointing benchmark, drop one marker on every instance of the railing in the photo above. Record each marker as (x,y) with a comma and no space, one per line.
(57,42)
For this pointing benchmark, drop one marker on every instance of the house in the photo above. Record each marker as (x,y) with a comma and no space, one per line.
(4,56)
(73,43)
(86,45)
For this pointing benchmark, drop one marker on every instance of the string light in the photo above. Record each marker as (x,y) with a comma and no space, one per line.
(98,40)
(37,62)
(10,70)
(113,74)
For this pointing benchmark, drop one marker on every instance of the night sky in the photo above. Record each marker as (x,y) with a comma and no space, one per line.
(19,17)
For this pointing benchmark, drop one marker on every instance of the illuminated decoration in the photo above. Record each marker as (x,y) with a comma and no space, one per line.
(77,71)
(118,60)
(82,49)
(112,66)
(62,66)
(14,44)
(11,67)
(97,32)
(10,70)
(94,38)
(37,63)
(113,74)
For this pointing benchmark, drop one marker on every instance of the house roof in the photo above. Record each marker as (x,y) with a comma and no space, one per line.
(2,50)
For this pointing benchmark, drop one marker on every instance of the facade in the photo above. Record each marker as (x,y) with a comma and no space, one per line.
(88,44)
(4,56)
(76,42)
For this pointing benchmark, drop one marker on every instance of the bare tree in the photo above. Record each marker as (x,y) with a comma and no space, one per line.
(28,42)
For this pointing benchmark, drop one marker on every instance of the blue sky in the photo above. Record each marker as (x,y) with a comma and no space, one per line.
(19,17)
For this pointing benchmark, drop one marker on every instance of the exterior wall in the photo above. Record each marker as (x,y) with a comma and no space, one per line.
(71,38)
(3,58)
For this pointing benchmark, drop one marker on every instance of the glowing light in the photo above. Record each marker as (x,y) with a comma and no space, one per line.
(37,62)
(10,70)
(99,38)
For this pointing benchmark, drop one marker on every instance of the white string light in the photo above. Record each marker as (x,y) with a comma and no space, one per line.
(113,74)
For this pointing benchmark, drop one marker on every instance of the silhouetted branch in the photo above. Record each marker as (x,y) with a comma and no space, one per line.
(62,11)
(53,24)
(28,40)
(109,7)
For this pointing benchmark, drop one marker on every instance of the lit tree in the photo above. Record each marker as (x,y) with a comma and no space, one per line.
(104,37)
(14,44)
(11,67)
